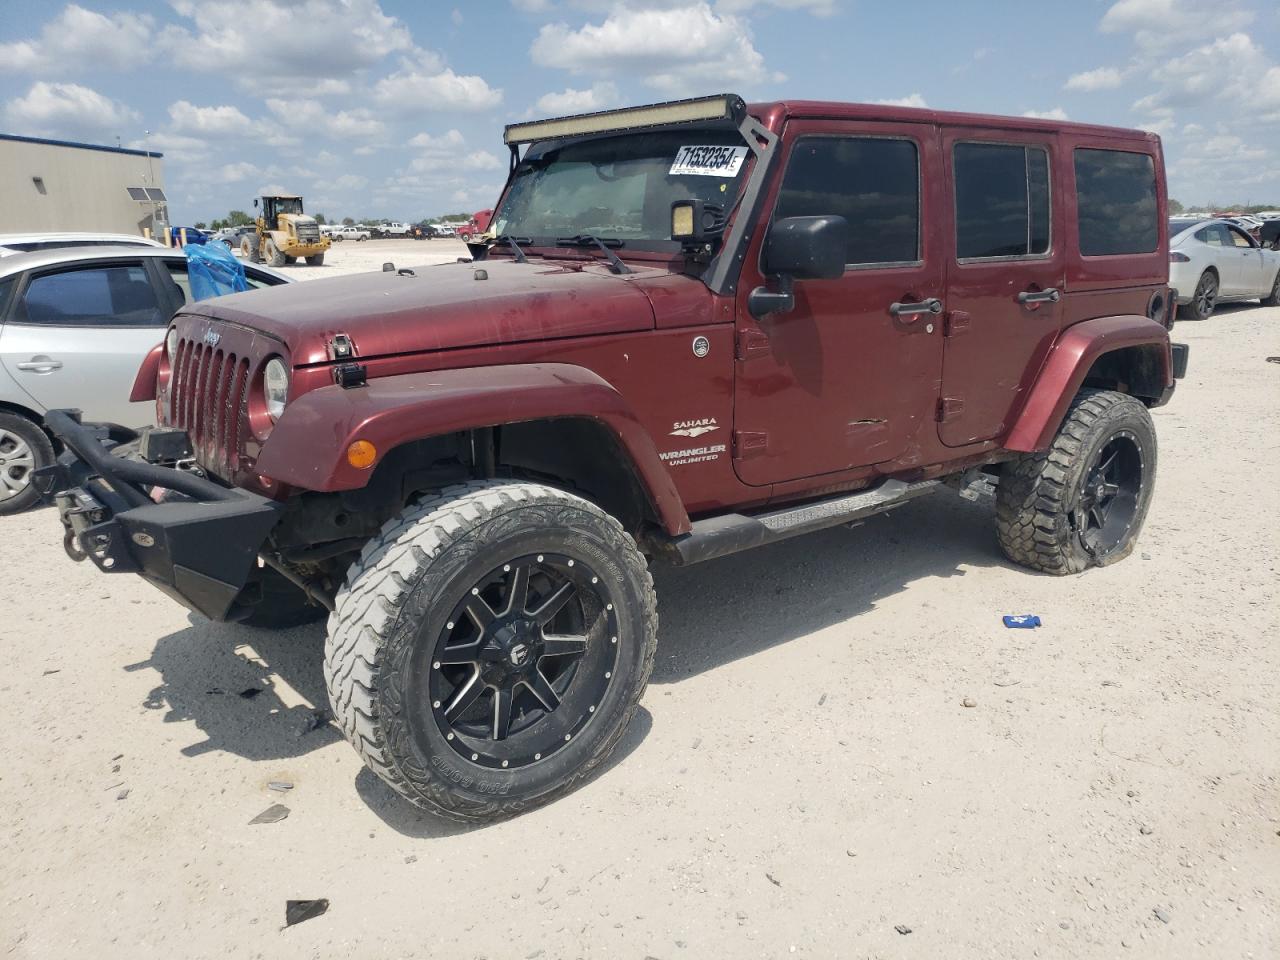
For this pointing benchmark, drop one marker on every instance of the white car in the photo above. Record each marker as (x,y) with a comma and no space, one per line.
(396,229)
(11,243)
(1215,261)
(351,233)
(75,325)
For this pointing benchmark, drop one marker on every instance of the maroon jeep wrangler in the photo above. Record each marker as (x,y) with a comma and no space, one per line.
(697,327)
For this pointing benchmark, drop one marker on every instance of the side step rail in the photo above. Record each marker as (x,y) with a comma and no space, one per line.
(728,533)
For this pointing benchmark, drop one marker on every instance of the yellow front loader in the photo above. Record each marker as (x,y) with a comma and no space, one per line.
(284,233)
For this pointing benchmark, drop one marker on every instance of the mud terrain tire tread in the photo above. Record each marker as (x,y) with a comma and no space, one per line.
(1035,490)
(368,608)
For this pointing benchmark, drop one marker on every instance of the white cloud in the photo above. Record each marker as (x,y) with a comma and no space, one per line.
(224,121)
(456,17)
(77,39)
(235,172)
(68,110)
(1225,70)
(910,100)
(313,116)
(674,49)
(349,181)
(532,6)
(481,160)
(599,96)
(445,144)
(1157,24)
(1103,78)
(412,90)
(1057,113)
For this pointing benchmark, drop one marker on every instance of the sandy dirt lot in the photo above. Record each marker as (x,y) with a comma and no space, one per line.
(802,778)
(357,256)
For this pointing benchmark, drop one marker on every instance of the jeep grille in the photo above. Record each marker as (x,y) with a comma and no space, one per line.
(209,400)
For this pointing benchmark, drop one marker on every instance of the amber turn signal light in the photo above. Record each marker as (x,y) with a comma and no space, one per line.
(361,454)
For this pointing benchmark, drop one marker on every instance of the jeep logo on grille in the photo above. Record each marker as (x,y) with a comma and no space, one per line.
(211,337)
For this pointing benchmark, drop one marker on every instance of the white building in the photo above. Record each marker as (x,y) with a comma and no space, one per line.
(59,185)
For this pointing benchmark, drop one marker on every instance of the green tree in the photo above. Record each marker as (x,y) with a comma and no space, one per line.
(348,222)
(238,218)
(320,218)
(200,225)
(1174,206)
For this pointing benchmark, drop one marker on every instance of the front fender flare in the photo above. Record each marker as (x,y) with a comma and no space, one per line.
(1068,364)
(307,447)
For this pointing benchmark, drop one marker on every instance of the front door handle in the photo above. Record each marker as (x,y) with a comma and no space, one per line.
(1040,296)
(932,305)
(40,365)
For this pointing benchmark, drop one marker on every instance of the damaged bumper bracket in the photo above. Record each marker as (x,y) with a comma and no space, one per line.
(200,549)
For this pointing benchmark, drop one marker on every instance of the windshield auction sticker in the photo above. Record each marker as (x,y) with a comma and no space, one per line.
(708,161)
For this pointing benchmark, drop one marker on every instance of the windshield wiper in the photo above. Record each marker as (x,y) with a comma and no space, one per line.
(588,240)
(506,240)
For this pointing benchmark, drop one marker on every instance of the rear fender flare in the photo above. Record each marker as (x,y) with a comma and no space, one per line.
(307,447)
(1064,371)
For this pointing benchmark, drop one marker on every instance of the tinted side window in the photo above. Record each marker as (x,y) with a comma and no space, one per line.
(873,183)
(1002,200)
(106,296)
(1116,202)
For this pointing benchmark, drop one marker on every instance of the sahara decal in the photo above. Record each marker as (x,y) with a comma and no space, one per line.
(694,428)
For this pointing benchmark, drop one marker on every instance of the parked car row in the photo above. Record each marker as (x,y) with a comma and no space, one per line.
(75,326)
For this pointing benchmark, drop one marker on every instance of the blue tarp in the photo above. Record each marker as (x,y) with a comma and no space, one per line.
(213,271)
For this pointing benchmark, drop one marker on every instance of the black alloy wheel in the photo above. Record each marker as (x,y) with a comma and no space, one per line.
(1205,298)
(523,661)
(1108,500)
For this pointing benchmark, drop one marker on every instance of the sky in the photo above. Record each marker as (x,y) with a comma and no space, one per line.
(395,108)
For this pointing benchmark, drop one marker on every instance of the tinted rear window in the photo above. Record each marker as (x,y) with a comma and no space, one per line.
(874,183)
(1116,202)
(1002,200)
(92,296)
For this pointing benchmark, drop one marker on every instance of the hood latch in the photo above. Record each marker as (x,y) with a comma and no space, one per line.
(341,347)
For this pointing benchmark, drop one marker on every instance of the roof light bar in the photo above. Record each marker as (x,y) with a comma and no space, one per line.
(725,106)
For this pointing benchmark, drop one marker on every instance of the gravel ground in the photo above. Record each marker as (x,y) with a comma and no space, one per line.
(357,256)
(802,777)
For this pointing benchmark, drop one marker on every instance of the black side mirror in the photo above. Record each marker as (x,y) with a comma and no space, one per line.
(799,248)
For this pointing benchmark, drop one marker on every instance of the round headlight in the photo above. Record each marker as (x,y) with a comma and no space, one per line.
(275,386)
(171,343)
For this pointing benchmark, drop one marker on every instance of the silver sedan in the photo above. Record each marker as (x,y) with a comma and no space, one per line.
(75,325)
(1214,261)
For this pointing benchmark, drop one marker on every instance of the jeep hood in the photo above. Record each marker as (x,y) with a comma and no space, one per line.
(441,307)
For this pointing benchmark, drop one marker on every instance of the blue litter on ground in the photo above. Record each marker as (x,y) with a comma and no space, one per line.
(1025,620)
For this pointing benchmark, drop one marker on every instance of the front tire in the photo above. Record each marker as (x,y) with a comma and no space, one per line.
(1204,300)
(249,248)
(24,448)
(1082,502)
(490,647)
(272,253)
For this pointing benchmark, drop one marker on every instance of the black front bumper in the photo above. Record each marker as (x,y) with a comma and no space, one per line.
(200,546)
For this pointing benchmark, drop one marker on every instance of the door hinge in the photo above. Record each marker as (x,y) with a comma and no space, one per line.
(752,343)
(949,408)
(748,444)
(956,323)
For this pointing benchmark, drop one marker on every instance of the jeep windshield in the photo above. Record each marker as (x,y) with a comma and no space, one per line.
(620,187)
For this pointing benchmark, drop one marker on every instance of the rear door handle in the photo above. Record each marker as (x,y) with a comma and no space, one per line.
(932,305)
(1040,296)
(40,365)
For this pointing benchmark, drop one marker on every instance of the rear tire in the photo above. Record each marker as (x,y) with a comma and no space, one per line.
(1273,299)
(1082,502)
(1204,300)
(24,448)
(315,260)
(417,684)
